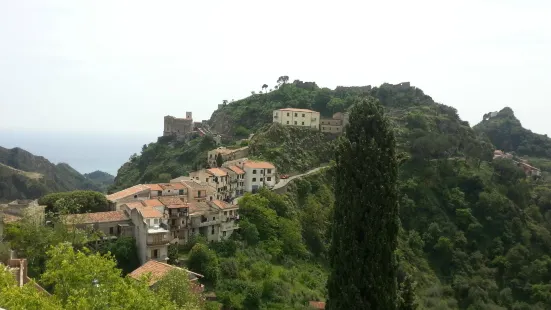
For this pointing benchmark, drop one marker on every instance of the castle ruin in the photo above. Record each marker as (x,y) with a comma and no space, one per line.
(178,126)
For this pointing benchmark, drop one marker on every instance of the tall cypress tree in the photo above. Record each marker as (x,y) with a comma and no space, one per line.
(365,223)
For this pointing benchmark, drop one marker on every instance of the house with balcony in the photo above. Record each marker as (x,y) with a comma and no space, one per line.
(229,218)
(227,154)
(258,174)
(109,225)
(151,234)
(205,219)
(236,177)
(216,178)
(297,117)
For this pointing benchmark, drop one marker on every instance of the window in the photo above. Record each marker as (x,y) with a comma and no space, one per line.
(287,114)
(156,221)
(224,233)
(295,122)
(231,212)
(155,254)
(169,191)
(193,230)
(254,171)
(260,179)
(302,114)
(111,230)
(212,231)
(135,196)
(287,122)
(269,171)
(173,222)
(159,193)
(225,213)
(296,114)
(207,180)
(181,192)
(302,123)
(254,179)
(268,179)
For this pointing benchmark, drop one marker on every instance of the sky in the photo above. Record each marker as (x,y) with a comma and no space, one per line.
(120,66)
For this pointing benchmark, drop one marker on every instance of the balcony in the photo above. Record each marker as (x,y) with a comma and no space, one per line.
(177,214)
(209,223)
(229,226)
(157,241)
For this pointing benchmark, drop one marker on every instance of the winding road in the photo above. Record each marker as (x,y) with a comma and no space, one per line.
(284,182)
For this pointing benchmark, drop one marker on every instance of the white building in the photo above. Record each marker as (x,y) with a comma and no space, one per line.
(151,234)
(297,117)
(258,174)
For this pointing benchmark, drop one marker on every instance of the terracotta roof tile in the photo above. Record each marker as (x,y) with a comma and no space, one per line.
(128,192)
(217,172)
(223,205)
(195,185)
(236,169)
(259,164)
(171,186)
(157,270)
(99,217)
(167,200)
(152,203)
(133,205)
(296,110)
(154,187)
(150,213)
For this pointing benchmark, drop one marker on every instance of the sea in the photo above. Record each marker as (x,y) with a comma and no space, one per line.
(84,151)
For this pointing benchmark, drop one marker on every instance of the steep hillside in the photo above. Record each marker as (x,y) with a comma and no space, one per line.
(24,175)
(291,149)
(102,179)
(163,160)
(507,134)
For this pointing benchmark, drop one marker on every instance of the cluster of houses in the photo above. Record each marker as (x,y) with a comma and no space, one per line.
(203,203)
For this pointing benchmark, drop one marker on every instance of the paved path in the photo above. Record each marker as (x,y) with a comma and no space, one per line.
(284,182)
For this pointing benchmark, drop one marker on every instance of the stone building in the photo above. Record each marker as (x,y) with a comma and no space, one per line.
(297,117)
(227,154)
(178,126)
(334,125)
(258,174)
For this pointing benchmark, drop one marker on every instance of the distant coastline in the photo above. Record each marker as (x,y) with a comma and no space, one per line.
(84,151)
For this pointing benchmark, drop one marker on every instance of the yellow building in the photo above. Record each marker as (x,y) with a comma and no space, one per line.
(297,117)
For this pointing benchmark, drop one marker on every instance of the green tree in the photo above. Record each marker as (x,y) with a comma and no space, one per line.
(204,261)
(365,225)
(219,160)
(86,201)
(26,297)
(124,251)
(264,86)
(175,286)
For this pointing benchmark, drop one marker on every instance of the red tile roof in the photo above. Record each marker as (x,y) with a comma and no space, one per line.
(296,110)
(195,185)
(133,205)
(157,270)
(236,169)
(154,187)
(150,213)
(217,172)
(223,205)
(172,186)
(171,200)
(258,165)
(99,217)
(317,304)
(128,192)
(152,203)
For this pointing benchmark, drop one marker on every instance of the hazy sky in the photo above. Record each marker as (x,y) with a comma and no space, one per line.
(122,65)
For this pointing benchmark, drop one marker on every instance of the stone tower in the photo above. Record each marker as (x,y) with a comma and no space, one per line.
(188,115)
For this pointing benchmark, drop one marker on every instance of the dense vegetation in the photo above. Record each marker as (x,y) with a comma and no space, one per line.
(102,179)
(83,201)
(291,149)
(365,222)
(474,232)
(161,161)
(26,176)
